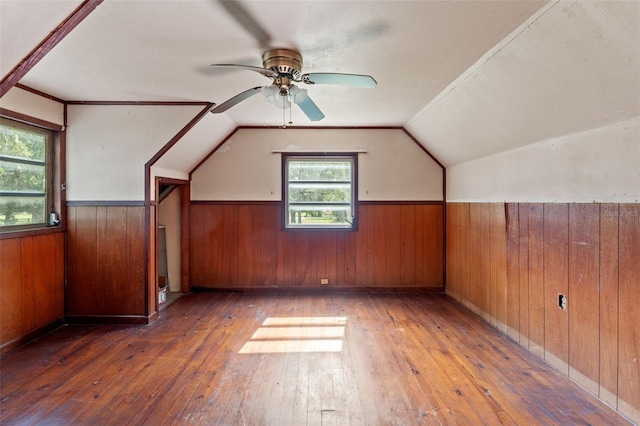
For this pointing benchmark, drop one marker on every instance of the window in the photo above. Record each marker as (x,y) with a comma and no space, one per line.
(25,175)
(319,191)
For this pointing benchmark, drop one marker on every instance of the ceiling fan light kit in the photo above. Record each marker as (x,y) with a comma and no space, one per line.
(284,67)
(272,95)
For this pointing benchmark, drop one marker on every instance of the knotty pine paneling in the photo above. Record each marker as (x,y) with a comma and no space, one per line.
(409,250)
(584,253)
(429,250)
(629,310)
(242,245)
(380,224)
(512,292)
(365,243)
(32,285)
(556,282)
(608,282)
(536,279)
(27,257)
(196,240)
(523,275)
(458,249)
(484,256)
(589,252)
(11,324)
(498,267)
(152,260)
(106,262)
(453,248)
(48,279)
(465,253)
(475,259)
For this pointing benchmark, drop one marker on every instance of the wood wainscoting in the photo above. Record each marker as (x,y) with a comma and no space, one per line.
(106,263)
(511,263)
(242,245)
(31,287)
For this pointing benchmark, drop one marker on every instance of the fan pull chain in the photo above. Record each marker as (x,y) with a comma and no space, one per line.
(290,108)
(284,126)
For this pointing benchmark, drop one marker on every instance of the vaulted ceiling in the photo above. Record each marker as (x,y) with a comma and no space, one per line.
(468,78)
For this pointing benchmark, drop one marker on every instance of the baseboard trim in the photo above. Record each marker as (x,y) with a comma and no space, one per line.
(109,319)
(31,336)
(318,290)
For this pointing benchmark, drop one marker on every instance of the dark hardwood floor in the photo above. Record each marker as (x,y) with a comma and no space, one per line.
(291,359)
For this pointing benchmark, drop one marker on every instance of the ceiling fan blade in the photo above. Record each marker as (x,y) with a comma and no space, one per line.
(356,80)
(235,100)
(310,109)
(263,71)
(247,21)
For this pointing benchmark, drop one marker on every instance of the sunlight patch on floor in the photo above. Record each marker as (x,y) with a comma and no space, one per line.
(289,346)
(297,334)
(304,321)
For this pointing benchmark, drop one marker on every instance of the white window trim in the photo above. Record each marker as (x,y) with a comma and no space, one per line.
(315,155)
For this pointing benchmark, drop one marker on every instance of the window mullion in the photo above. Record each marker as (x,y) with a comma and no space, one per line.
(25,175)
(317,195)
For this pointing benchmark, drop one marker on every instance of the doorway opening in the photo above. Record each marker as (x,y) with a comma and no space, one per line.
(172,200)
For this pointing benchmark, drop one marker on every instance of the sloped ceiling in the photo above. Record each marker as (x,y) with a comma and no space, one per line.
(572,69)
(467,78)
(162,51)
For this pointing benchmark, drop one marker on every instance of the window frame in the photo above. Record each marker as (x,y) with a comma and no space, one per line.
(321,156)
(54,175)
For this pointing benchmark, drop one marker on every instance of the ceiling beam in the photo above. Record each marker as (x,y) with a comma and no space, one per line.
(46,45)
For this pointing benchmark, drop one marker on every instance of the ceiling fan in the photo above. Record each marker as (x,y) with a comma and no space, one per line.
(284,68)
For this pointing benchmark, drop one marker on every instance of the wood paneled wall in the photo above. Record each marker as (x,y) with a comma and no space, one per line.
(106,263)
(510,263)
(242,246)
(31,286)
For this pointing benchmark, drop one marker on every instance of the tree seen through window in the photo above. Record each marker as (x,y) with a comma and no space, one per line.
(319,191)
(23,173)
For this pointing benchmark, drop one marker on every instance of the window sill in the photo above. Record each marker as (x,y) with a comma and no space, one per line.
(318,229)
(21,233)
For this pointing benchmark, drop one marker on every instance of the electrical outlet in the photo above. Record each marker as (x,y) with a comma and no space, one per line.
(562,302)
(162,296)
(324,281)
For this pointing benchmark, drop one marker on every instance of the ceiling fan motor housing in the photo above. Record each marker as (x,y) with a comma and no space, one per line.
(287,63)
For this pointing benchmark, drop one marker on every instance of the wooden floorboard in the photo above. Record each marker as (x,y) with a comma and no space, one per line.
(368,358)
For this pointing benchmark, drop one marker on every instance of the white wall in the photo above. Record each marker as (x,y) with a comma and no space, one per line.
(245,168)
(23,102)
(169,216)
(108,146)
(192,148)
(601,165)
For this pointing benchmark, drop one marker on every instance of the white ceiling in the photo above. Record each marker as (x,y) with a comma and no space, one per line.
(469,78)
(575,68)
(161,51)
